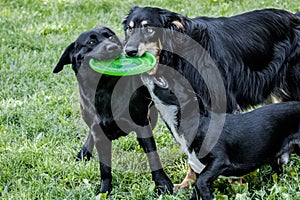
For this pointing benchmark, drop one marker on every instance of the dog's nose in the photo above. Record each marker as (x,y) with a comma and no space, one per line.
(131,52)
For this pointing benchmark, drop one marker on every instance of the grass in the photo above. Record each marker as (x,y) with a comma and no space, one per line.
(40,124)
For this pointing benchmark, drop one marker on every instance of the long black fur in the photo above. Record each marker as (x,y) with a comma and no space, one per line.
(257,53)
(267,135)
(97,103)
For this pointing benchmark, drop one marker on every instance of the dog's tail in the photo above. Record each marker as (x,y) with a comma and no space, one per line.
(290,89)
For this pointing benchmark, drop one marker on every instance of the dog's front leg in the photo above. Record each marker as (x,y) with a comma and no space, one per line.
(162,181)
(87,114)
(104,150)
(204,180)
(87,148)
(188,180)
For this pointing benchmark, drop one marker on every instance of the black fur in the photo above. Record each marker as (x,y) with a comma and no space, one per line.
(103,113)
(267,135)
(257,53)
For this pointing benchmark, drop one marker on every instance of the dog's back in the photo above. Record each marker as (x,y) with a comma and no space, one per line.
(258,136)
(281,112)
(266,43)
(274,120)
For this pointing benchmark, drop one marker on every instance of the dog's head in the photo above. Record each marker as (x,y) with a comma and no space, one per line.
(144,30)
(100,43)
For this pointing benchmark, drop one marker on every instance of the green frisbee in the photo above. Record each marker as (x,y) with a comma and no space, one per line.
(124,66)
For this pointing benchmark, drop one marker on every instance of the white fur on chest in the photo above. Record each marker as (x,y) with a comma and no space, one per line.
(169,115)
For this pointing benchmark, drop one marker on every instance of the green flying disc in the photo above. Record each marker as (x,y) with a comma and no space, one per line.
(124,66)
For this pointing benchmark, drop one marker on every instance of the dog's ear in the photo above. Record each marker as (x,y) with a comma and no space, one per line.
(124,20)
(172,20)
(65,59)
(178,25)
(175,23)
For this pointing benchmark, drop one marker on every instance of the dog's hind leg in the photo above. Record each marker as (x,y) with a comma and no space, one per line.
(147,142)
(104,150)
(290,145)
(297,150)
(87,148)
(277,167)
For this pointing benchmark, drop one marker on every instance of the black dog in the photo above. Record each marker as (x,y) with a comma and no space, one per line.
(226,144)
(257,53)
(107,116)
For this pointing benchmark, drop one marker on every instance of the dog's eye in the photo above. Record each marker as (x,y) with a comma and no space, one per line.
(92,42)
(129,29)
(149,30)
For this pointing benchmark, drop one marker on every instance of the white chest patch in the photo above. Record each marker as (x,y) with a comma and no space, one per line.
(195,163)
(169,114)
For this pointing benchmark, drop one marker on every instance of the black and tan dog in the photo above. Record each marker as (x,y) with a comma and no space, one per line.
(111,106)
(225,144)
(256,53)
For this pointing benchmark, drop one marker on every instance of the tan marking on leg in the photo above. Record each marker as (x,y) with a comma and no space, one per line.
(188,180)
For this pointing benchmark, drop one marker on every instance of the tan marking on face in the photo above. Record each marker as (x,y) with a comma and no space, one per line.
(151,47)
(159,44)
(131,24)
(144,23)
(154,50)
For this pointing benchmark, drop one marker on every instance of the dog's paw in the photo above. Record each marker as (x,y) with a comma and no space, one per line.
(163,184)
(164,188)
(83,154)
(182,186)
(102,196)
(105,188)
(186,183)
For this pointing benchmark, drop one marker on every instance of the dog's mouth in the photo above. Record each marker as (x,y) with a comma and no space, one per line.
(154,70)
(105,51)
(155,49)
(159,80)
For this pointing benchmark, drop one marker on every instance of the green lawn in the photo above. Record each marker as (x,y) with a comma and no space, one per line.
(41,128)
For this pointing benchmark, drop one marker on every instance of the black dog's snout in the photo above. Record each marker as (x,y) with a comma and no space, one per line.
(112,47)
(131,51)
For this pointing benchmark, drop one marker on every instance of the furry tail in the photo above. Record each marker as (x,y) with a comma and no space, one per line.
(291,89)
